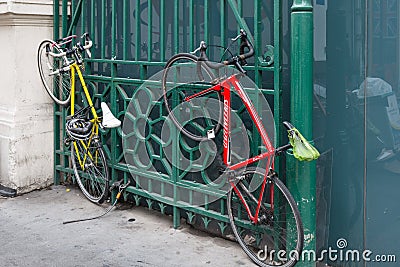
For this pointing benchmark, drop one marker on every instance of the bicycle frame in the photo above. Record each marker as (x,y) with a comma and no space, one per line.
(95,130)
(75,68)
(225,88)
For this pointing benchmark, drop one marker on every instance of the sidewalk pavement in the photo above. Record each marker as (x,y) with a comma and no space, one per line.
(32,233)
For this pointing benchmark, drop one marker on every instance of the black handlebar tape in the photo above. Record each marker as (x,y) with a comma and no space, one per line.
(242,56)
(239,67)
(245,43)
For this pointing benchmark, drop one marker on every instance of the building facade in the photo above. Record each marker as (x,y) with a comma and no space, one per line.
(352,99)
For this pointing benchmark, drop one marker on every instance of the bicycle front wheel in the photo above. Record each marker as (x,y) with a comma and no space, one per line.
(56,85)
(277,238)
(184,76)
(90,168)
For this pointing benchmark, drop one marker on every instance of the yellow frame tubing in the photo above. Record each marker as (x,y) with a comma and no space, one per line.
(75,67)
(72,90)
(95,131)
(95,120)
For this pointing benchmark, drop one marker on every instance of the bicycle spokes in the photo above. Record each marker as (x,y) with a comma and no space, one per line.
(90,169)
(265,225)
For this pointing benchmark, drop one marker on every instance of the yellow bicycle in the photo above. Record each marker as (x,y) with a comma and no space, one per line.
(58,66)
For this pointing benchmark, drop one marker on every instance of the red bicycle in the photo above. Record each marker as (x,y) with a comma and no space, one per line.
(263,214)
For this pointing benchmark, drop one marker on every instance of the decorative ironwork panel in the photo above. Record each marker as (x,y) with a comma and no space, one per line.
(133,39)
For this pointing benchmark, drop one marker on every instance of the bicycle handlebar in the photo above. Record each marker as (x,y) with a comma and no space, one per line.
(88,44)
(244,42)
(237,61)
(65,40)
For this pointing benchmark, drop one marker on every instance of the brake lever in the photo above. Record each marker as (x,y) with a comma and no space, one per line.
(202,45)
(237,37)
(84,35)
(195,51)
(241,34)
(86,38)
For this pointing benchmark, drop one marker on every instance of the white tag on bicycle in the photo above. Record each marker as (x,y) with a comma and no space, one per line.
(210,134)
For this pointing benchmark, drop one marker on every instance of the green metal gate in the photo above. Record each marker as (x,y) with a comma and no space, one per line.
(132,41)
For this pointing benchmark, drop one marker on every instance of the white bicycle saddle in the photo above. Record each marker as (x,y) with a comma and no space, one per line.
(109,121)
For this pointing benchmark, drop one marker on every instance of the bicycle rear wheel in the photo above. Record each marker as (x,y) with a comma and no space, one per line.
(277,239)
(90,168)
(56,85)
(200,117)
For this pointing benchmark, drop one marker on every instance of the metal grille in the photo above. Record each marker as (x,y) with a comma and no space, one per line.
(132,41)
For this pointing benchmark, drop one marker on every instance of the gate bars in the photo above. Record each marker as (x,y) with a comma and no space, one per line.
(132,41)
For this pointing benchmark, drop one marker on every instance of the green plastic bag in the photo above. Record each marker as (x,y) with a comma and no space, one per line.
(302,149)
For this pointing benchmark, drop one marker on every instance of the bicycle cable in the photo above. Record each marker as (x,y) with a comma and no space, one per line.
(226,51)
(121,187)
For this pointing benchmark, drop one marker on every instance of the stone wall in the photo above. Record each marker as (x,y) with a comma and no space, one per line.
(26,121)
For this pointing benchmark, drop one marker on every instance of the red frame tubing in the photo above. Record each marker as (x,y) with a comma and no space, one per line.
(226,86)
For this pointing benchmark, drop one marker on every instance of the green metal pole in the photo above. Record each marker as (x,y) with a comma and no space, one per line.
(64,18)
(56,19)
(302,175)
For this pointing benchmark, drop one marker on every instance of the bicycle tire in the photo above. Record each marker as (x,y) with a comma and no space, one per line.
(196,129)
(273,229)
(93,178)
(57,85)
